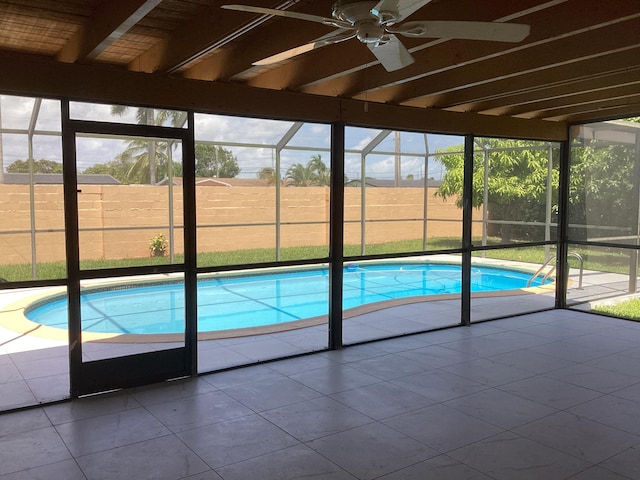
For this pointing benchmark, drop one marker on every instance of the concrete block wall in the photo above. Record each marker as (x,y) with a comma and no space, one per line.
(118,221)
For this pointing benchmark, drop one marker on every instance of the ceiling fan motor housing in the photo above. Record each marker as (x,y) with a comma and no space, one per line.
(354,11)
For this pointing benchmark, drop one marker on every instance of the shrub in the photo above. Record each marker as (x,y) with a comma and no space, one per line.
(158,246)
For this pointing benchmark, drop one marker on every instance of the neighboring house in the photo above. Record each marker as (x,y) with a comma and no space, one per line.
(390,183)
(221,182)
(56,179)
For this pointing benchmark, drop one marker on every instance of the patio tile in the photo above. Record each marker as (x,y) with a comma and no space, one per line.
(597,473)
(335,378)
(570,351)
(551,392)
(269,394)
(43,367)
(30,449)
(372,450)
(209,475)
(66,469)
(508,456)
(171,460)
(236,440)
(9,373)
(97,434)
(291,463)
(626,463)
(500,408)
(441,427)
(441,467)
(531,361)
(487,372)
(612,411)
(594,378)
(173,390)
(23,421)
(315,418)
(578,436)
(50,389)
(244,376)
(436,356)
(197,411)
(439,385)
(82,408)
(382,400)
(16,394)
(387,367)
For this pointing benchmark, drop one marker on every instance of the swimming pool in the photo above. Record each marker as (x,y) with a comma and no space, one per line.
(227,302)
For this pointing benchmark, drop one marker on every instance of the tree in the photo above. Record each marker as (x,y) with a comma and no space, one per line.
(314,173)
(147,155)
(118,168)
(300,175)
(215,161)
(39,166)
(322,173)
(268,174)
(600,185)
(517,181)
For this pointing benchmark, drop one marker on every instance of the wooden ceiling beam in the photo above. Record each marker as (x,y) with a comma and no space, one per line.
(591,45)
(273,37)
(213,29)
(624,100)
(600,114)
(499,91)
(626,83)
(110,20)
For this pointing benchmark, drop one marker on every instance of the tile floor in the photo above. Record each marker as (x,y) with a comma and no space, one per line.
(553,395)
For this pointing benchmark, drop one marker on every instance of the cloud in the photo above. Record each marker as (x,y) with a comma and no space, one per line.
(251,140)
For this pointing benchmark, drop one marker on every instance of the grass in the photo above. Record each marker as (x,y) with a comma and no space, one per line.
(601,260)
(628,309)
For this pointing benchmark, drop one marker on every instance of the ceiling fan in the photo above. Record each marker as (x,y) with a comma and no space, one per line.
(375,24)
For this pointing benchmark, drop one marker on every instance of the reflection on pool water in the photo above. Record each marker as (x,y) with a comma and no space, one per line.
(241,301)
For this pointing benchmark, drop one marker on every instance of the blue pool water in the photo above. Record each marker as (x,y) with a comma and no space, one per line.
(230,302)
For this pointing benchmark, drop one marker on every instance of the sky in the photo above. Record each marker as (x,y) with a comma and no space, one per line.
(252,141)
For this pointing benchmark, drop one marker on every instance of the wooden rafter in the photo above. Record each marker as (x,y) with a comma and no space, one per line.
(110,20)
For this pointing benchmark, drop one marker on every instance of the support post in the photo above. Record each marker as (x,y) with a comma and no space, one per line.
(190,252)
(467,205)
(562,266)
(336,236)
(72,249)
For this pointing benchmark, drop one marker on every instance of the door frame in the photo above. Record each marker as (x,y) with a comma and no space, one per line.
(87,377)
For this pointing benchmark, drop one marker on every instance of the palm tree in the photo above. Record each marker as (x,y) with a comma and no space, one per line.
(314,173)
(146,153)
(322,173)
(300,175)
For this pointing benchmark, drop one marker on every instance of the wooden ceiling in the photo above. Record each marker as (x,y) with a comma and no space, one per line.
(580,62)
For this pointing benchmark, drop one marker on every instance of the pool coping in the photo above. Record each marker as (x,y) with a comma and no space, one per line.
(13,315)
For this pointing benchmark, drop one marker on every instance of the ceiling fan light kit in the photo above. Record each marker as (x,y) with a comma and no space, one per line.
(375,24)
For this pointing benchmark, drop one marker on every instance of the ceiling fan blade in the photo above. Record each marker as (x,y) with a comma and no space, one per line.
(491,31)
(393,55)
(393,11)
(329,39)
(288,14)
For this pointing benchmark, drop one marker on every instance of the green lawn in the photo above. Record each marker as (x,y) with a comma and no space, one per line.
(627,309)
(608,261)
